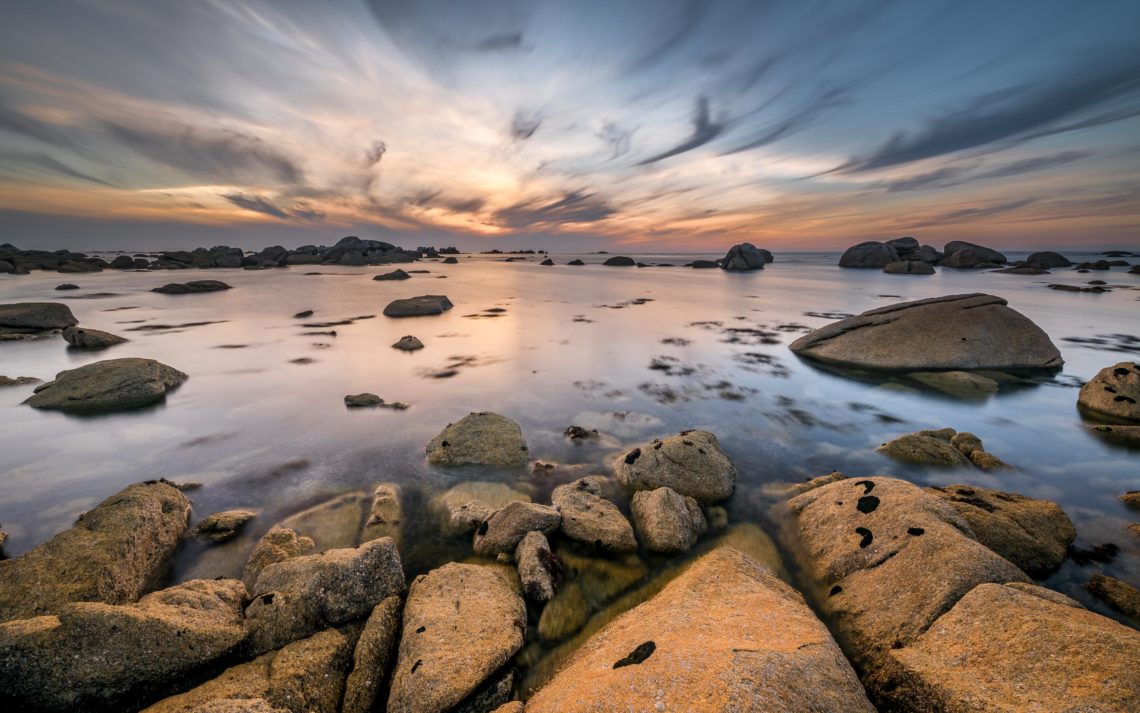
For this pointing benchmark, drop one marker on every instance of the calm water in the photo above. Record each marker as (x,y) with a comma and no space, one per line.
(572,347)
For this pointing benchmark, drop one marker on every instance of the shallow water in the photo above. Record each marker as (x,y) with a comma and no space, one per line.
(635,353)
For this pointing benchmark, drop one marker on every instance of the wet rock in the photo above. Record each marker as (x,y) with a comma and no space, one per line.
(305,676)
(745,256)
(975,255)
(547,262)
(535,561)
(869,254)
(988,461)
(967,443)
(108,386)
(3,539)
(239,705)
(92,655)
(505,529)
(90,338)
(66,286)
(277,545)
(1022,270)
(960,332)
(302,595)
(450,261)
(30,318)
(462,508)
(590,583)
(1121,596)
(882,575)
(77,266)
(18,381)
(333,524)
(959,384)
(375,650)
(408,344)
(193,287)
(588,517)
(111,555)
(925,448)
(690,463)
(479,439)
(725,635)
(393,275)
(425,305)
(576,262)
(462,624)
(1131,499)
(1114,392)
(619,261)
(364,400)
(1047,260)
(1095,265)
(1033,534)
(386,516)
(1006,649)
(666,521)
(223,526)
(1121,435)
(908,267)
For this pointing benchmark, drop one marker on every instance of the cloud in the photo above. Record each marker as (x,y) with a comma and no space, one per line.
(794,122)
(572,207)
(436,199)
(941,178)
(505,41)
(524,125)
(962,215)
(704,131)
(261,204)
(618,139)
(1034,164)
(376,152)
(1027,111)
(948,176)
(48,163)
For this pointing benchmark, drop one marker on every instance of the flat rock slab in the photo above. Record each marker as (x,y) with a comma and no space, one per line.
(1005,649)
(956,332)
(1114,392)
(423,306)
(462,624)
(726,635)
(108,386)
(690,463)
(111,554)
(479,439)
(192,287)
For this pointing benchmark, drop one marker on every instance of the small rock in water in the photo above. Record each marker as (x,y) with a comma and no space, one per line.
(479,439)
(364,400)
(66,286)
(425,305)
(590,518)
(408,344)
(18,381)
(547,262)
(575,262)
(690,463)
(667,521)
(303,315)
(620,261)
(505,529)
(223,526)
(80,338)
(396,274)
(577,433)
(1113,392)
(192,287)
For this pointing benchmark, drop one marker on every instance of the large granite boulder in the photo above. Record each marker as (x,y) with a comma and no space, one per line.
(302,595)
(96,656)
(462,624)
(479,439)
(590,518)
(974,255)
(305,676)
(25,319)
(111,555)
(82,338)
(1033,534)
(690,463)
(1004,648)
(869,254)
(375,650)
(667,521)
(1114,392)
(745,256)
(425,305)
(108,386)
(725,635)
(973,331)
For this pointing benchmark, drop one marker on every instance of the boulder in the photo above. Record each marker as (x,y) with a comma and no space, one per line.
(931,448)
(32,317)
(65,287)
(375,650)
(108,386)
(111,555)
(535,562)
(1046,260)
(1002,648)
(462,508)
(80,338)
(547,262)
(396,274)
(450,261)
(192,287)
(483,438)
(619,261)
(305,676)
(576,262)
(1033,534)
(968,259)
(364,400)
(302,595)
(408,344)
(666,521)
(332,524)
(978,253)
(462,624)
(1114,392)
(277,545)
(690,463)
(223,526)
(745,256)
(908,267)
(92,655)
(505,529)
(904,246)
(956,332)
(590,518)
(869,254)
(422,306)
(725,635)
(1121,596)
(928,254)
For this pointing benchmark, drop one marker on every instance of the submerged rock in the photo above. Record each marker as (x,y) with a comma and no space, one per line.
(506,528)
(386,516)
(375,650)
(1114,392)
(107,386)
(408,344)
(479,439)
(302,595)
(908,267)
(90,338)
(425,305)
(666,521)
(332,524)
(535,562)
(192,287)
(745,256)
(973,331)
(931,448)
(690,463)
(111,555)
(592,519)
(1121,435)
(92,655)
(223,526)
(462,508)
(1121,596)
(277,545)
(869,254)
(725,635)
(462,624)
(959,384)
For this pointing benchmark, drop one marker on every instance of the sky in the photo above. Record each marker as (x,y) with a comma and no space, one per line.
(642,125)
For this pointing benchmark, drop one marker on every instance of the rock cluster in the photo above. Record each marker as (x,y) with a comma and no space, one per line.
(944,448)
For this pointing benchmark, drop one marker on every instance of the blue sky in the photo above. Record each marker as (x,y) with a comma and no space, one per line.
(645,125)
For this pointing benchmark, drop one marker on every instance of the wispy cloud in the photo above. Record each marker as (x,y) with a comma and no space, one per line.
(261,204)
(573,207)
(704,131)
